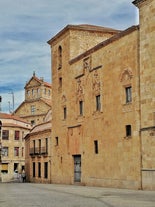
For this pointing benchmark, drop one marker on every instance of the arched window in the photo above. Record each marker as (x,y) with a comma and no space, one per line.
(59,57)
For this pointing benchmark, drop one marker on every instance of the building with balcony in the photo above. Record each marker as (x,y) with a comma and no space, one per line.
(12,153)
(38,152)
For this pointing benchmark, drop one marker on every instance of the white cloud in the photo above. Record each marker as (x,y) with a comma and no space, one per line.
(26,26)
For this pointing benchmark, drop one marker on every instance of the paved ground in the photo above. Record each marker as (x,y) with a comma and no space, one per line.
(50,195)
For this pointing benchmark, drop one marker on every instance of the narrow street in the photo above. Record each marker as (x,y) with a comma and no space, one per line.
(50,195)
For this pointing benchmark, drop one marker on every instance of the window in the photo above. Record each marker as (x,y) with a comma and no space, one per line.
(39,146)
(34,146)
(16,151)
(46,145)
(5,134)
(34,169)
(28,92)
(33,109)
(17,135)
(59,57)
(38,92)
(39,169)
(56,141)
(128,92)
(4,167)
(46,170)
(65,112)
(5,151)
(60,82)
(32,92)
(96,146)
(32,122)
(98,103)
(128,130)
(81,107)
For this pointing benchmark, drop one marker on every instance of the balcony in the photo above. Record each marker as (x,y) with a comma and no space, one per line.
(38,151)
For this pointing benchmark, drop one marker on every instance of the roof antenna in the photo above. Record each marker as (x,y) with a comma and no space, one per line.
(34,74)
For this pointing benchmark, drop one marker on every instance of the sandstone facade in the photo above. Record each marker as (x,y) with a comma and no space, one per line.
(38,152)
(12,151)
(103,104)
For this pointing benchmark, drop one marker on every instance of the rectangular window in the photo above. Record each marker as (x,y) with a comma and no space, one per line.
(81,107)
(56,141)
(4,167)
(39,146)
(46,170)
(128,92)
(34,146)
(34,169)
(32,122)
(33,109)
(17,133)
(16,151)
(5,151)
(60,82)
(39,169)
(65,112)
(98,103)
(96,146)
(128,130)
(5,134)
(46,145)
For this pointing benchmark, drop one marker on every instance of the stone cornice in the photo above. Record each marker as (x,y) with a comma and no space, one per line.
(138,2)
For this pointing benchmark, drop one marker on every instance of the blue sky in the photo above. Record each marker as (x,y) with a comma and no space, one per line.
(27,25)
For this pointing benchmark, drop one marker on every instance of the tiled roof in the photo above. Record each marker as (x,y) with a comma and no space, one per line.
(41,127)
(11,116)
(41,81)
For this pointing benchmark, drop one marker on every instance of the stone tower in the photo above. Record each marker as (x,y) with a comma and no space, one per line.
(147,89)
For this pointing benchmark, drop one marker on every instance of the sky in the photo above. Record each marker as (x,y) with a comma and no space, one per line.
(27,25)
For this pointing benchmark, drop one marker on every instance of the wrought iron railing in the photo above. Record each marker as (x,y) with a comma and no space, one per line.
(38,151)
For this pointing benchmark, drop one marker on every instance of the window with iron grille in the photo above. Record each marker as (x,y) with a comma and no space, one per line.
(5,134)
(17,133)
(46,170)
(128,92)
(16,151)
(39,169)
(98,103)
(34,169)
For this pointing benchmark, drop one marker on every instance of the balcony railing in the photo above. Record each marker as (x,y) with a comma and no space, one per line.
(38,151)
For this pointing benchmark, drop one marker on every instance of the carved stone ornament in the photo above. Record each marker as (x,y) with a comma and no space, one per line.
(87,64)
(126,75)
(96,82)
(63,99)
(80,91)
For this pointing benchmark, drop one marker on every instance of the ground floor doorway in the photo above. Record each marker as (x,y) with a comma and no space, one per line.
(77,168)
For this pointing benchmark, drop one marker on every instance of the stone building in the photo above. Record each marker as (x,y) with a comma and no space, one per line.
(12,146)
(38,152)
(103,104)
(37,101)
